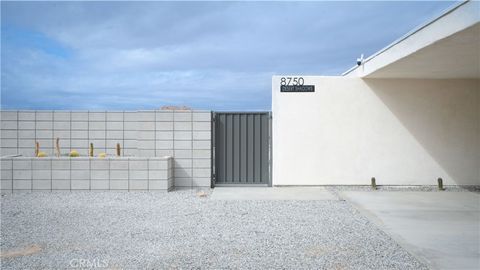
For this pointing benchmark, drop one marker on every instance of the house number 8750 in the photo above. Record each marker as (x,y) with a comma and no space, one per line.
(291,81)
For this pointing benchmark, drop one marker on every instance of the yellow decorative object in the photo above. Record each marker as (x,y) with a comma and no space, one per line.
(41,154)
(102,155)
(74,153)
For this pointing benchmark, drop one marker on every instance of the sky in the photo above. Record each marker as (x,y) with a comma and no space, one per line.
(204,55)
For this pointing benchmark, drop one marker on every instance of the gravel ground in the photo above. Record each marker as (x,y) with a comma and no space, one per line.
(140,230)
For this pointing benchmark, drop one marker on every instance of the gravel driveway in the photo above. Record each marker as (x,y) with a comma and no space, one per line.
(180,230)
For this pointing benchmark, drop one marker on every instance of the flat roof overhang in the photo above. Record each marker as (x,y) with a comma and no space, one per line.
(445,48)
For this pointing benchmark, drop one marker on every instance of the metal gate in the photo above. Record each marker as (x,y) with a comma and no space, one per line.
(242,148)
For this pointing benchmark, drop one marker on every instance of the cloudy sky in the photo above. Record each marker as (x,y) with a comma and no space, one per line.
(206,55)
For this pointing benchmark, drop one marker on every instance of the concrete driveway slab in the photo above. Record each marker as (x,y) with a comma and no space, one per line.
(440,228)
(273,193)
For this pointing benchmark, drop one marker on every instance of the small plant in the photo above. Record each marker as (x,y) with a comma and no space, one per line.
(41,154)
(57,146)
(102,155)
(91,150)
(74,153)
(118,150)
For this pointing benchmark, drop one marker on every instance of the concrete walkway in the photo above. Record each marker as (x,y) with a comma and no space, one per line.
(440,228)
(272,193)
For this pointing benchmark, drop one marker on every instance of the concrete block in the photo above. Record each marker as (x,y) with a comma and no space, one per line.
(97,116)
(24,174)
(114,116)
(164,153)
(183,172)
(25,125)
(7,175)
(80,184)
(8,134)
(202,116)
(57,125)
(146,125)
(61,174)
(119,185)
(42,184)
(45,143)
(60,184)
(96,126)
(138,175)
(60,164)
(96,134)
(201,182)
(158,185)
(141,164)
(9,143)
(197,172)
(130,134)
(26,134)
(62,134)
(164,145)
(139,185)
(146,145)
(117,164)
(80,164)
(79,143)
(115,126)
(80,175)
(146,153)
(61,116)
(115,134)
(26,152)
(26,116)
(146,135)
(41,125)
(202,145)
(130,126)
(202,135)
(164,135)
(182,145)
(182,116)
(157,164)
(99,164)
(157,175)
(6,164)
(164,126)
(130,143)
(164,116)
(79,126)
(182,126)
(202,163)
(10,124)
(22,164)
(42,164)
(6,185)
(146,116)
(79,134)
(22,184)
(100,185)
(130,116)
(183,135)
(79,116)
(9,115)
(44,116)
(118,175)
(201,153)
(99,175)
(203,126)
(128,152)
(182,153)
(183,182)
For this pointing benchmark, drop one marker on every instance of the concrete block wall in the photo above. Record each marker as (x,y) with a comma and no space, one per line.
(184,135)
(23,174)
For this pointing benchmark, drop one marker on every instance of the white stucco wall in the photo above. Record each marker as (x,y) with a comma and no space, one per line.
(403,132)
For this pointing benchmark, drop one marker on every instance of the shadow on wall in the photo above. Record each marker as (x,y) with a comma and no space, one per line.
(443,116)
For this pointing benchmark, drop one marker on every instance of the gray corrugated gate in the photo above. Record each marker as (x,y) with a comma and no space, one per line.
(242,148)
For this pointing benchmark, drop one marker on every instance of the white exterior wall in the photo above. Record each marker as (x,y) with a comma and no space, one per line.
(402,132)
